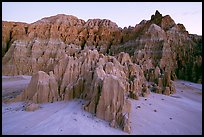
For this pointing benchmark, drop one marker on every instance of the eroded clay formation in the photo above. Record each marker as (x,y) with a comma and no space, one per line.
(99,62)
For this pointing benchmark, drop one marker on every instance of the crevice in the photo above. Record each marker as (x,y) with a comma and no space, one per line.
(108,51)
(99,87)
(92,75)
(49,94)
(96,45)
(58,90)
(8,43)
(83,44)
(73,89)
(7,48)
(26,29)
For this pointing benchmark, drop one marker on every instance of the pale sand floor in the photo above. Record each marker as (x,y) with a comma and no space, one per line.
(180,113)
(13,85)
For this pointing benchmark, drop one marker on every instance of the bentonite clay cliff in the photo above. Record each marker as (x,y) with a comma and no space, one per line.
(100,62)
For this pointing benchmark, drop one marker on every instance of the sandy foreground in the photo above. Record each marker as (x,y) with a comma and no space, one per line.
(180,113)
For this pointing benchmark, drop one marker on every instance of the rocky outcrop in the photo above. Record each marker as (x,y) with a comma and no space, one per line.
(12,31)
(100,62)
(105,82)
(41,89)
(162,44)
(43,42)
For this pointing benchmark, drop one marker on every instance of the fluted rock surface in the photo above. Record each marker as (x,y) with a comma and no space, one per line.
(26,48)
(105,82)
(38,46)
(100,62)
(161,43)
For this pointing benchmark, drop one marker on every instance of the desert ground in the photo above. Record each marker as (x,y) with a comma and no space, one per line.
(180,113)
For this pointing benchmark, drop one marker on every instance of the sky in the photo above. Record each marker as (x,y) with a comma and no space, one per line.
(124,14)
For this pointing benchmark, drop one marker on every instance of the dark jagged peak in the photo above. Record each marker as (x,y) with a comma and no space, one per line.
(62,18)
(157,13)
(157,17)
(100,22)
(165,22)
